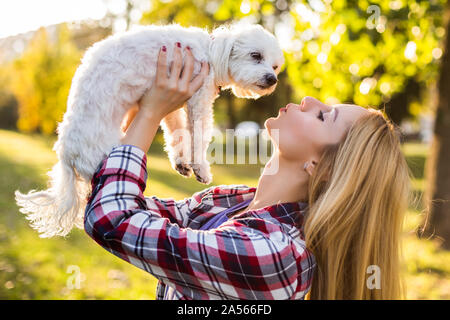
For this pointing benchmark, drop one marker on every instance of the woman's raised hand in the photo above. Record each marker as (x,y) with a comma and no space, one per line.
(169,92)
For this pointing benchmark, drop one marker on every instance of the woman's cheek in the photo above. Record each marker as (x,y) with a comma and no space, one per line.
(298,136)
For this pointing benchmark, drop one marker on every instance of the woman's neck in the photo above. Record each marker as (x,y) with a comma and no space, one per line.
(281,181)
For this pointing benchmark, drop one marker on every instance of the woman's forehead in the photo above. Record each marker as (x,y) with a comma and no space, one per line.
(347,105)
(350,112)
(350,107)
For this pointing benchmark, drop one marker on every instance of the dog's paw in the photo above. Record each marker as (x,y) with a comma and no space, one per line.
(202,173)
(184,169)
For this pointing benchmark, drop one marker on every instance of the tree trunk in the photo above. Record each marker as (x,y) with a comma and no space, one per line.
(438,165)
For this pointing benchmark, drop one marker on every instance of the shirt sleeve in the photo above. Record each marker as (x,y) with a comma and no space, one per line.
(235,261)
(177,211)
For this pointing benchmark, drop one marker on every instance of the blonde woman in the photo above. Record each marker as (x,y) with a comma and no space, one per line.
(332,209)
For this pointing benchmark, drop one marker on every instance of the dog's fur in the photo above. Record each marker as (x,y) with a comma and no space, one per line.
(112,77)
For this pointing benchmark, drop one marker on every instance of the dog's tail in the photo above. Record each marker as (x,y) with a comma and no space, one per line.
(55,211)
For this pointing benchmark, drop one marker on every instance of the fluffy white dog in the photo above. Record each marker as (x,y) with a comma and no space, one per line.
(113,76)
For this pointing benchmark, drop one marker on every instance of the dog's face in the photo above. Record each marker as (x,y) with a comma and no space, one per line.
(255,62)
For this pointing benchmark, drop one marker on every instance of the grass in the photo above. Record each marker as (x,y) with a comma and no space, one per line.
(36,268)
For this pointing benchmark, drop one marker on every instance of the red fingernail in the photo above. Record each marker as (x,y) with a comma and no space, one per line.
(189,48)
(178,45)
(164,48)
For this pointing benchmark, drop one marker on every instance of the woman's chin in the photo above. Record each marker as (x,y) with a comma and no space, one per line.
(268,123)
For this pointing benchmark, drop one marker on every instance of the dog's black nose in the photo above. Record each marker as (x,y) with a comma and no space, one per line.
(270,79)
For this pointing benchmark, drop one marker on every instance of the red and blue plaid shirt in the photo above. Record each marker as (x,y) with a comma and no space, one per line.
(257,254)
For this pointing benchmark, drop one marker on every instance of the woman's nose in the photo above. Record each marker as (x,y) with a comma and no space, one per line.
(310,102)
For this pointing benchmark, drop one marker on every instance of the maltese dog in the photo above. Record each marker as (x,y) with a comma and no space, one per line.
(113,76)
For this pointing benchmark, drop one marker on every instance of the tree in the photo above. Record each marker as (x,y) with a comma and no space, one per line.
(122,15)
(366,52)
(42,78)
(355,51)
(438,168)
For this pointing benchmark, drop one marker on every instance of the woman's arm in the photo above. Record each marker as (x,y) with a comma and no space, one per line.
(167,94)
(142,130)
(242,259)
(142,121)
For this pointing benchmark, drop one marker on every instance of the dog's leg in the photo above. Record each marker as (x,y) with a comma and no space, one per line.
(200,123)
(177,141)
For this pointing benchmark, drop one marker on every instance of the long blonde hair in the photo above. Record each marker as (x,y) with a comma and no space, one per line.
(358,195)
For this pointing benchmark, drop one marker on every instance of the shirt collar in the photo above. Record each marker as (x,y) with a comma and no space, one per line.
(292,213)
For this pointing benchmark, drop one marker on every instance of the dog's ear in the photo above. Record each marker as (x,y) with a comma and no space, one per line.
(220,51)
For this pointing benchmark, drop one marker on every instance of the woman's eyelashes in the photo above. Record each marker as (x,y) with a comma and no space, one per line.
(320,116)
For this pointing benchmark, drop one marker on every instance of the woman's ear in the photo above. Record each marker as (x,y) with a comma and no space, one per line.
(309,167)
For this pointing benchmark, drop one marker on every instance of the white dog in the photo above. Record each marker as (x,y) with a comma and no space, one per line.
(113,76)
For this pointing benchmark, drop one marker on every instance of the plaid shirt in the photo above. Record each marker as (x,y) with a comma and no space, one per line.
(258,254)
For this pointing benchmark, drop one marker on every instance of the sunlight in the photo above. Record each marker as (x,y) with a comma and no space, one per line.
(307,15)
(21,16)
(245,7)
(367,84)
(284,33)
(410,51)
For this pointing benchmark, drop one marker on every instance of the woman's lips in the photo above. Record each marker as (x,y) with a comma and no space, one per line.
(285,109)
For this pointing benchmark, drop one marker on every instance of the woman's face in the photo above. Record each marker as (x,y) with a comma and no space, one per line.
(305,129)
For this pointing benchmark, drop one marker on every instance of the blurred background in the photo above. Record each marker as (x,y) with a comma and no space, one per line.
(388,54)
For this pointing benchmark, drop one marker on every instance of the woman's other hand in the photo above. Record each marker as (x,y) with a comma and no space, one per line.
(170,92)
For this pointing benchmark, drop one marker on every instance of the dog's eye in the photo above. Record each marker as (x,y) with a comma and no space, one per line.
(256,55)
(275,67)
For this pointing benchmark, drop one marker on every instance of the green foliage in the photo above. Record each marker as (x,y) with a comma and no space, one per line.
(352,56)
(351,51)
(41,80)
(185,12)
(337,52)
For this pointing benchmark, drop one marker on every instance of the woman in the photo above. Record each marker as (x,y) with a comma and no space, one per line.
(333,208)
